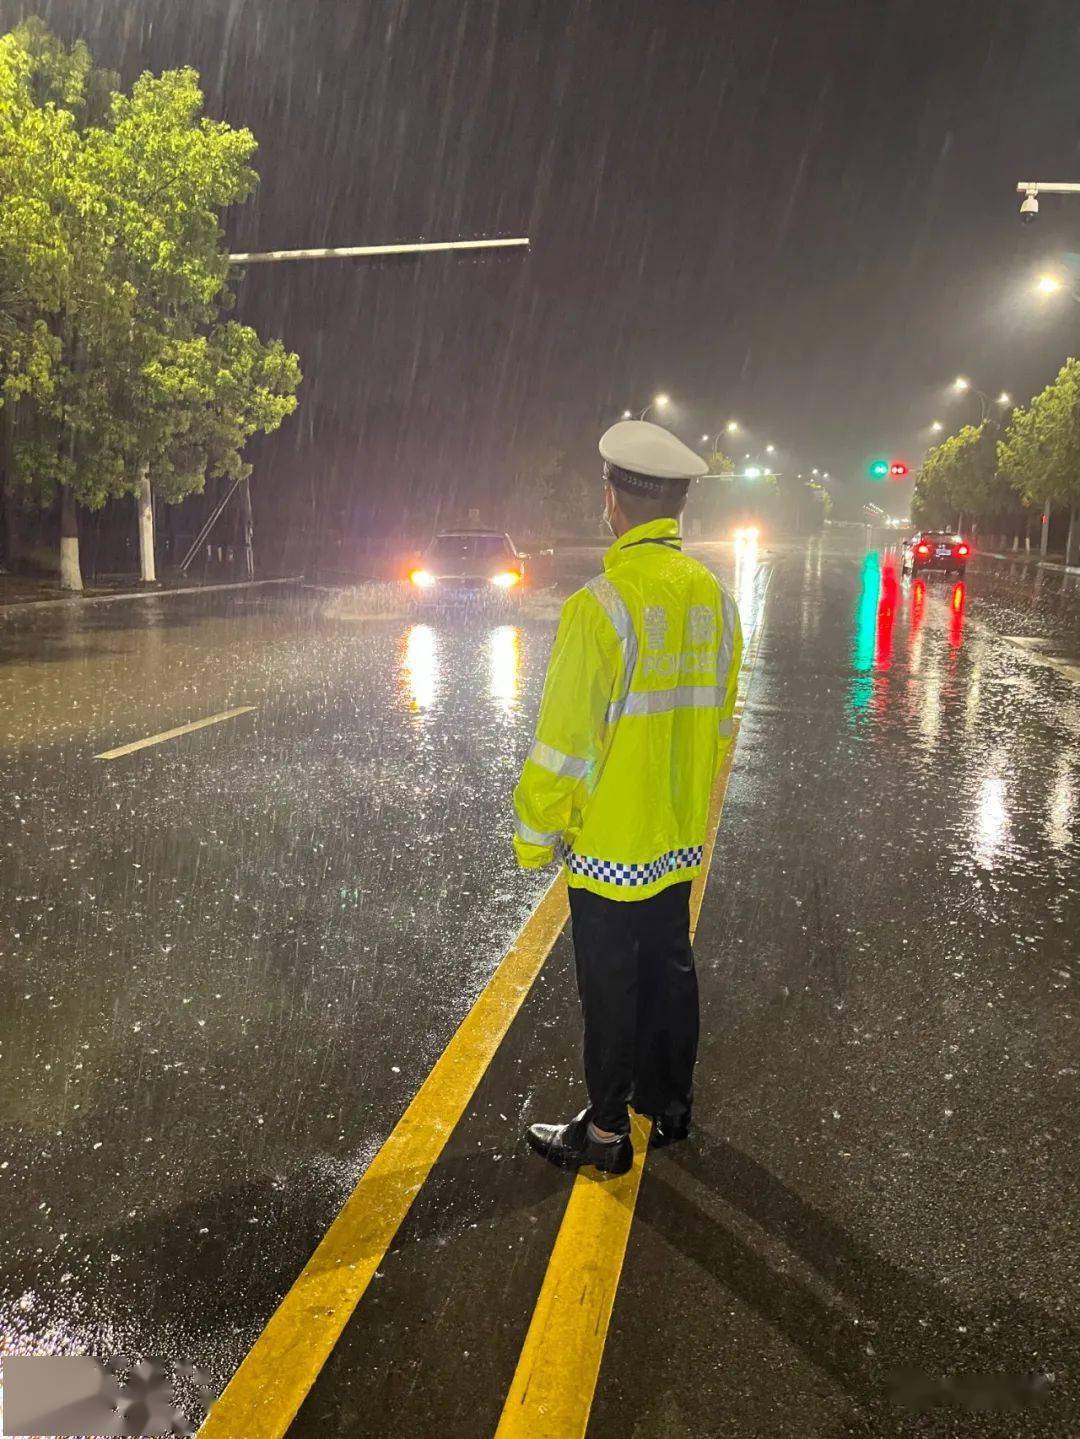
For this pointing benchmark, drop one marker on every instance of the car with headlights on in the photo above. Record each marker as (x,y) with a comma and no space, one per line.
(464,564)
(935,550)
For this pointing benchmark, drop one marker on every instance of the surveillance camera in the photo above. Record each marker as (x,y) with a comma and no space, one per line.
(1029,207)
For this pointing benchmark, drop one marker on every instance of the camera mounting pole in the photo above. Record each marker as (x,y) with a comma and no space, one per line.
(1068,187)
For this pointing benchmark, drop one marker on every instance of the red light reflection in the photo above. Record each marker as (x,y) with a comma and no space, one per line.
(956,614)
(918,605)
(886,615)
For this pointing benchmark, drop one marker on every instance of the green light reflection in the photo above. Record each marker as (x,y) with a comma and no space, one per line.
(865,637)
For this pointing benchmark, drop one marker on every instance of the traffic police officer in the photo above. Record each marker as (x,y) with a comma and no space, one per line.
(635,720)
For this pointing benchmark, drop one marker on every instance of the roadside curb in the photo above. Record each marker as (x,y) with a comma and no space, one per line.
(19,606)
(1027,560)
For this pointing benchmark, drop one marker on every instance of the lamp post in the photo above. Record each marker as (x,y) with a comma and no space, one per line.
(1048,285)
(963,386)
(659,402)
(731,428)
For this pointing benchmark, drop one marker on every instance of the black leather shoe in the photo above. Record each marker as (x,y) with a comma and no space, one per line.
(666,1130)
(569,1146)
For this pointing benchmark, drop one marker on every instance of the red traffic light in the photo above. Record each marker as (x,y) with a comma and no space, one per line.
(898,469)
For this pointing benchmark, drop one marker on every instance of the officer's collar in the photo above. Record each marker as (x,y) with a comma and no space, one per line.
(654,531)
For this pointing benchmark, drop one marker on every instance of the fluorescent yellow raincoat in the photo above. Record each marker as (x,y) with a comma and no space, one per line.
(634,722)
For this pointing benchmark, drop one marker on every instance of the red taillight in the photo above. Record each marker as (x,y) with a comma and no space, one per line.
(922,549)
(963,551)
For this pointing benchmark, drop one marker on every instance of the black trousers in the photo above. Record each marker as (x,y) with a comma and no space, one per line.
(639,999)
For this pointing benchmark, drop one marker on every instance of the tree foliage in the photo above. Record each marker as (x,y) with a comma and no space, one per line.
(115,349)
(961,476)
(991,475)
(550,496)
(957,476)
(721,464)
(1040,451)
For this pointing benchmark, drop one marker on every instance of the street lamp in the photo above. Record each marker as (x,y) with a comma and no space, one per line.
(732,427)
(963,386)
(660,402)
(770,449)
(937,427)
(1048,284)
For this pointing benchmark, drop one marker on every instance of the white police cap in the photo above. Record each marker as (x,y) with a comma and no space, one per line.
(637,450)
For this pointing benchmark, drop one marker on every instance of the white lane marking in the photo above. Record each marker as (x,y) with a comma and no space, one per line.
(1034,649)
(173,733)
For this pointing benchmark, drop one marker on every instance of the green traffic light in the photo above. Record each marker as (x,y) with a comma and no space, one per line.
(879,470)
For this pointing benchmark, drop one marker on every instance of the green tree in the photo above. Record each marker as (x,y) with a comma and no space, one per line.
(959,477)
(709,501)
(822,502)
(1021,459)
(1040,451)
(118,368)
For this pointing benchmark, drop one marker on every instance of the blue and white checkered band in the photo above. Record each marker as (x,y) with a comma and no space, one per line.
(632,876)
(635,483)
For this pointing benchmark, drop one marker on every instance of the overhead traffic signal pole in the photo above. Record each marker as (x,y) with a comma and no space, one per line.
(342,252)
(371,252)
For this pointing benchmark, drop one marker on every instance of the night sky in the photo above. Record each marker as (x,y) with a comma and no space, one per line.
(799,214)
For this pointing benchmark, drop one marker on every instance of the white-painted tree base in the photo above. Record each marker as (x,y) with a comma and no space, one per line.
(145,505)
(70,572)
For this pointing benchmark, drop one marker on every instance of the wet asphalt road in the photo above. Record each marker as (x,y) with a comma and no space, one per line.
(227,962)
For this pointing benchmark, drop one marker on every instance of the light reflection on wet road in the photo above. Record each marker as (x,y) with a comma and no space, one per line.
(226,963)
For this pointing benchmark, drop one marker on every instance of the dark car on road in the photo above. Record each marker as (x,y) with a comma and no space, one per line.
(478,562)
(934,550)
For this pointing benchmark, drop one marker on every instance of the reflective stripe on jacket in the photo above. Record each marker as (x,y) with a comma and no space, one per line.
(635,719)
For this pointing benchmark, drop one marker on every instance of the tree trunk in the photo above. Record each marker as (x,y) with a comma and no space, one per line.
(12,517)
(12,525)
(70,573)
(1044,538)
(144,506)
(248,525)
(1072,544)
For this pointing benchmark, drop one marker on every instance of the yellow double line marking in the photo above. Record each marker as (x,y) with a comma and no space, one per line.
(553,1386)
(263,1396)
(552,1391)
(574,1308)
